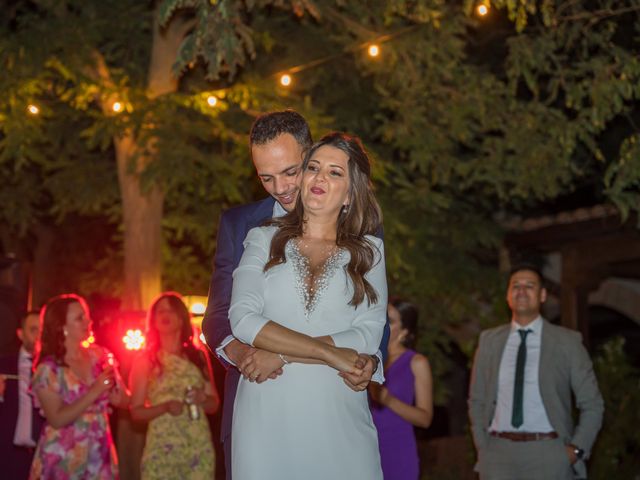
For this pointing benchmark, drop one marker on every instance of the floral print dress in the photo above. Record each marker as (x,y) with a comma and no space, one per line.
(83,449)
(177,446)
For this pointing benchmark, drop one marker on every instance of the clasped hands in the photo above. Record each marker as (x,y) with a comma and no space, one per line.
(197,396)
(356,369)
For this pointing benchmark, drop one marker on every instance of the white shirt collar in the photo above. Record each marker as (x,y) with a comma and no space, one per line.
(23,354)
(278,210)
(535,326)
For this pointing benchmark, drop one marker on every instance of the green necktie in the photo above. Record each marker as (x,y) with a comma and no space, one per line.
(518,386)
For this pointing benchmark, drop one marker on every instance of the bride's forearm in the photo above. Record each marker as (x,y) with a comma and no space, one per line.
(278,339)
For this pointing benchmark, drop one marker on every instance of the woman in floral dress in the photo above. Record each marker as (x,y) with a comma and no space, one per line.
(74,386)
(172,388)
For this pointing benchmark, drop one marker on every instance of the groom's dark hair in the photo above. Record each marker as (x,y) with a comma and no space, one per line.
(271,125)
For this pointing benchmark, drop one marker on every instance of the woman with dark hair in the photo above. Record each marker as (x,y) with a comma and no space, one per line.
(310,292)
(406,399)
(171,386)
(74,385)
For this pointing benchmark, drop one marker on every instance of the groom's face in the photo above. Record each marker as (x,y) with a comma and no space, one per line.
(278,164)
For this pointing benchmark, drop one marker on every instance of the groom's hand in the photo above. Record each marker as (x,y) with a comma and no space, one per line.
(358,383)
(260,365)
(237,351)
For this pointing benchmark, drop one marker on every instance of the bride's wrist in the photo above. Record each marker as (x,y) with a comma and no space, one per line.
(326,352)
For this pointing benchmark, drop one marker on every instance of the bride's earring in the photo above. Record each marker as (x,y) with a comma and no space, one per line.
(345,209)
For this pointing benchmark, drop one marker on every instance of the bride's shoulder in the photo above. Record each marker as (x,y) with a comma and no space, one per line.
(375,241)
(261,234)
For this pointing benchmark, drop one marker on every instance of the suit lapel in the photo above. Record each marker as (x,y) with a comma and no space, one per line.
(496,351)
(547,348)
(264,211)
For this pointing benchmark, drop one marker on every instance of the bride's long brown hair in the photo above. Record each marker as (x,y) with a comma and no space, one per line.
(361,217)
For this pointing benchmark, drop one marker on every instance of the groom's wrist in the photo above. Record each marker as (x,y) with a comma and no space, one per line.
(376,363)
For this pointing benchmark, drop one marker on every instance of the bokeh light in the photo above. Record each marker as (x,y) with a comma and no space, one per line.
(133,339)
(90,339)
(285,80)
(482,9)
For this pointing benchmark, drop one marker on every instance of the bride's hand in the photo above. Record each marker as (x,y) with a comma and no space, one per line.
(344,360)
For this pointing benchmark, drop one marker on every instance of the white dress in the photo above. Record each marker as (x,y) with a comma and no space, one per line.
(306,424)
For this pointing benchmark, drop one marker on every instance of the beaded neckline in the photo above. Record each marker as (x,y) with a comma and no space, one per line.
(311,287)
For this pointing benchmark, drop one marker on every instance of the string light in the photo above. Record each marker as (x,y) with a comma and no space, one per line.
(285,80)
(117,107)
(374,50)
(33,110)
(482,9)
(212,100)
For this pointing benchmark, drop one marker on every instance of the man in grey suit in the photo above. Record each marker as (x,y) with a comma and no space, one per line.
(520,394)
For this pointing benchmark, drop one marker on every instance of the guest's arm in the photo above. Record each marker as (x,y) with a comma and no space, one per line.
(209,399)
(478,395)
(141,410)
(59,414)
(421,413)
(587,394)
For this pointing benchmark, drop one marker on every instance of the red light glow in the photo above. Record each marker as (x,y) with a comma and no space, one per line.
(133,340)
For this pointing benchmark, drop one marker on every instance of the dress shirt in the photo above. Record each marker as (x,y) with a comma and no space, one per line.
(23,436)
(378,376)
(535,415)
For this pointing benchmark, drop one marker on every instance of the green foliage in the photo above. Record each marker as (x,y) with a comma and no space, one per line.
(469,120)
(615,454)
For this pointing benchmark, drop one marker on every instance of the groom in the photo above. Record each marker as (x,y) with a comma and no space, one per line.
(278,141)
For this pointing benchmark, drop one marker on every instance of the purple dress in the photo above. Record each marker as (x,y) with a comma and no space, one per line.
(398,448)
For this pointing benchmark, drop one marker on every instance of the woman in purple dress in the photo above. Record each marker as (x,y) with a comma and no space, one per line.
(405,400)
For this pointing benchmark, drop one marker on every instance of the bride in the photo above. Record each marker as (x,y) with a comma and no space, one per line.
(311,289)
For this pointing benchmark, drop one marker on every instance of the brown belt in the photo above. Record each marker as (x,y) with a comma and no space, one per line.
(524,436)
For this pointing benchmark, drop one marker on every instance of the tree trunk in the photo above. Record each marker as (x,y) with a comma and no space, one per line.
(142,219)
(142,211)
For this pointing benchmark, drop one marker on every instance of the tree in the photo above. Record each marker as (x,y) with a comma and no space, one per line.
(89,77)
(471,120)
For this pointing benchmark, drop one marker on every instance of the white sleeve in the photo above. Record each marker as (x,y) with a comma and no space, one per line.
(247,295)
(378,376)
(220,349)
(366,330)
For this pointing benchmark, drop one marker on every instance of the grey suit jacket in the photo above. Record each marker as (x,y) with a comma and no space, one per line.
(565,367)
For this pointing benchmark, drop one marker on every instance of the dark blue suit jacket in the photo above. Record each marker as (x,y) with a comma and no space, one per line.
(234,225)
(15,462)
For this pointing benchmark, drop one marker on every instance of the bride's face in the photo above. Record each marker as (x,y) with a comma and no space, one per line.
(326,181)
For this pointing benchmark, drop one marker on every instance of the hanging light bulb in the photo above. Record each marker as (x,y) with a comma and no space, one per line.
(285,80)
(33,110)
(482,9)
(117,107)
(373,50)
